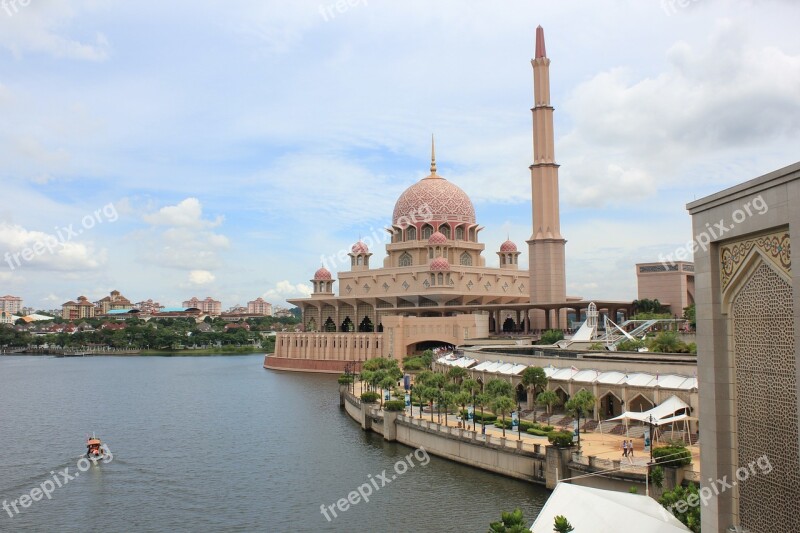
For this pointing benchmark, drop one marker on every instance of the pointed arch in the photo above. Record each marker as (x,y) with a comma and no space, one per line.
(466,259)
(405,260)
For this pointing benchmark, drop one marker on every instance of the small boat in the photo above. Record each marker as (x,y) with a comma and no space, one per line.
(95,450)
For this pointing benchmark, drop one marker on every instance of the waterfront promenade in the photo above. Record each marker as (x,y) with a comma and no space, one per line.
(598,452)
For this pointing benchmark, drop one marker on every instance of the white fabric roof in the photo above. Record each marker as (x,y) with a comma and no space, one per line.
(604,511)
(586,376)
(664,410)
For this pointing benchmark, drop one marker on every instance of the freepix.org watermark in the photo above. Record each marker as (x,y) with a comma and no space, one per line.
(330,11)
(756,206)
(51,243)
(11,7)
(363,492)
(376,237)
(48,486)
(715,488)
(671,7)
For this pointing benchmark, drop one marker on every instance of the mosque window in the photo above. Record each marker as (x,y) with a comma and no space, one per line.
(360,260)
(430,253)
(405,260)
(444,229)
(441,279)
(472,234)
(466,259)
(427,231)
(411,233)
(460,233)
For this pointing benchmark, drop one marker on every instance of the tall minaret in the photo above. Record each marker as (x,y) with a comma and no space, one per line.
(546,245)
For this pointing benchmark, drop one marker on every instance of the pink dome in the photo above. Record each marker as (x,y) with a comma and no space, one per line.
(440,264)
(323,274)
(360,248)
(508,246)
(437,238)
(433,198)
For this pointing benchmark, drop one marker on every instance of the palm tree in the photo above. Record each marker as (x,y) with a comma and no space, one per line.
(548,398)
(562,525)
(582,402)
(457,374)
(481,400)
(512,522)
(472,387)
(448,400)
(534,379)
(499,387)
(462,399)
(503,405)
(386,384)
(428,395)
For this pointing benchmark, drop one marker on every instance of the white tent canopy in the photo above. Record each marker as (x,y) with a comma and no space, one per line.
(605,511)
(664,410)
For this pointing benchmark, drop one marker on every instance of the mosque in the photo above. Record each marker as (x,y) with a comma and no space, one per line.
(434,286)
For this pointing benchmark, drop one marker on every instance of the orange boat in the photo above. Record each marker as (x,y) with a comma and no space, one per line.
(94,448)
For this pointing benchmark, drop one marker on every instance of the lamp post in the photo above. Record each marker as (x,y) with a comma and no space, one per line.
(411,399)
(519,420)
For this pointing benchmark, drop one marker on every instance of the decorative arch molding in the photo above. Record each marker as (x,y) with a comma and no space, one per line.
(405,260)
(774,248)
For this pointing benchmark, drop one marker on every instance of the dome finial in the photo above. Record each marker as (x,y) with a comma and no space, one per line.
(433,155)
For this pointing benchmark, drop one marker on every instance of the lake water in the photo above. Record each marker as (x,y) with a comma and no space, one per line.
(217,444)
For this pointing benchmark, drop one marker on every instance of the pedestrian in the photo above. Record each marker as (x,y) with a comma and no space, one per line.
(624,448)
(630,448)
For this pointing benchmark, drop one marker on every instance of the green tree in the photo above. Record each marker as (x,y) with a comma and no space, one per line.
(562,525)
(482,400)
(551,336)
(463,398)
(472,387)
(676,501)
(457,374)
(513,522)
(499,387)
(667,342)
(549,399)
(534,380)
(580,404)
(690,314)
(428,395)
(503,405)
(386,384)
(448,401)
(424,377)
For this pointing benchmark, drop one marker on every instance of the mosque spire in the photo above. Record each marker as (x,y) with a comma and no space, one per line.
(433,156)
(540,49)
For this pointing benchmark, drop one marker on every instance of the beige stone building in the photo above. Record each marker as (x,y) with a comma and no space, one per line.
(748,319)
(83,308)
(672,284)
(11,304)
(208,306)
(434,286)
(113,302)
(259,307)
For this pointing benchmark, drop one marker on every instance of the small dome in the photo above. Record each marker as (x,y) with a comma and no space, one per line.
(508,246)
(323,274)
(360,248)
(437,238)
(440,264)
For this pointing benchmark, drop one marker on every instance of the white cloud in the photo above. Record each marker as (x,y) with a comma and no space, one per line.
(186,214)
(40,27)
(633,136)
(201,277)
(23,249)
(284,290)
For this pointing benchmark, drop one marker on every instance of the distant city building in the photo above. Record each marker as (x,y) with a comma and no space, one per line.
(6,317)
(748,328)
(672,284)
(11,304)
(259,307)
(237,309)
(83,308)
(114,301)
(148,306)
(208,306)
(282,312)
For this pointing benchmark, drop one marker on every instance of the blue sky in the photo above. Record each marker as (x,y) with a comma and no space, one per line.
(239,142)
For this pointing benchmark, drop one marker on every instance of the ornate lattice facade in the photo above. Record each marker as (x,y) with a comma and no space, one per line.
(763,351)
